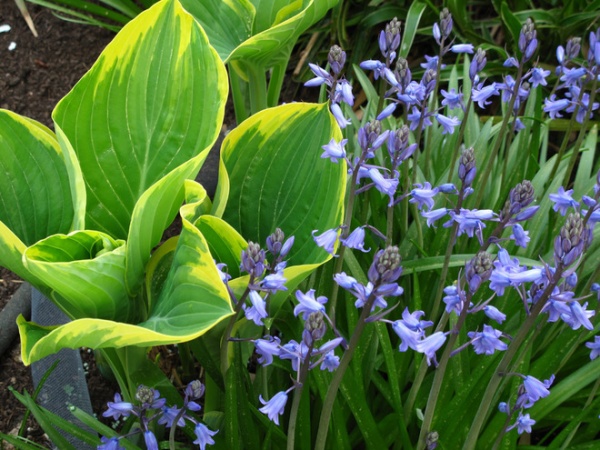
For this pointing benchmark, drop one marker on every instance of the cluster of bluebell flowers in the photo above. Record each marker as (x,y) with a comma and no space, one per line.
(150,407)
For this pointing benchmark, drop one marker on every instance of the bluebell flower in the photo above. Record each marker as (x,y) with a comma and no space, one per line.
(523,424)
(258,311)
(274,407)
(308,304)
(553,107)
(118,408)
(511,62)
(150,440)
(379,70)
(414,93)
(452,99)
(334,150)
(322,77)
(494,313)
(296,352)
(339,115)
(326,240)
(520,236)
(423,194)
(434,215)
(408,338)
(336,59)
(110,444)
(204,435)
(470,221)
(431,63)
(343,92)
(362,293)
(267,348)
(572,76)
(563,200)
(330,362)
(356,240)
(477,64)
(596,288)
(168,416)
(386,186)
(538,77)
(462,48)
(503,407)
(454,299)
(274,282)
(430,345)
(345,281)
(534,390)
(594,347)
(579,316)
(528,39)
(253,260)
(437,34)
(447,188)
(487,341)
(481,94)
(509,272)
(415,118)
(448,123)
(387,111)
(225,277)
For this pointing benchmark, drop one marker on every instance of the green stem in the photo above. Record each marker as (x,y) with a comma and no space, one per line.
(490,163)
(520,337)
(581,135)
(440,372)
(432,103)
(227,333)
(461,132)
(339,374)
(239,100)
(275,83)
(258,88)
(302,377)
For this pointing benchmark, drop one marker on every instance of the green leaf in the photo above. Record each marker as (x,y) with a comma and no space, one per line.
(154,100)
(277,177)
(85,269)
(35,195)
(411,25)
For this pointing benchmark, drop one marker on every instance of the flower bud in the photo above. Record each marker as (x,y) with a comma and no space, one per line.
(194,389)
(445,23)
(569,244)
(478,63)
(403,73)
(315,326)
(573,47)
(144,394)
(253,259)
(466,167)
(386,266)
(527,39)
(521,196)
(336,58)
(389,40)
(478,270)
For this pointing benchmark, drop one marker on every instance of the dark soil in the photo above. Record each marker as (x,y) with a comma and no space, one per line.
(33,78)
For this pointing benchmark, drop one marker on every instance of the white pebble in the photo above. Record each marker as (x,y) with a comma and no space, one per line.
(12,46)
(4,28)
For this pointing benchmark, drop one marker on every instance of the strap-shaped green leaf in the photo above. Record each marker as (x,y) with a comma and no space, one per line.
(277,177)
(154,99)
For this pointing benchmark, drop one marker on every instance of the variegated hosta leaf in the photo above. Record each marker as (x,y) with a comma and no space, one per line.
(191,300)
(86,271)
(256,31)
(154,99)
(35,194)
(277,178)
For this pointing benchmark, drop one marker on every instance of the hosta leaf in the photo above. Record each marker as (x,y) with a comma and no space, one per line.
(154,99)
(259,30)
(35,196)
(277,177)
(86,271)
(192,300)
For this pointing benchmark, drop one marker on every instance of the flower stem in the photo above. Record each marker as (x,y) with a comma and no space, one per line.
(339,374)
(302,377)
(520,337)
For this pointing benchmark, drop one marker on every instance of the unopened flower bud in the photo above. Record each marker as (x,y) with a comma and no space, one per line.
(194,389)
(445,23)
(368,134)
(569,244)
(144,394)
(466,167)
(478,270)
(403,73)
(431,440)
(429,81)
(315,325)
(336,58)
(392,35)
(527,39)
(478,63)
(386,266)
(253,259)
(521,196)
(573,47)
